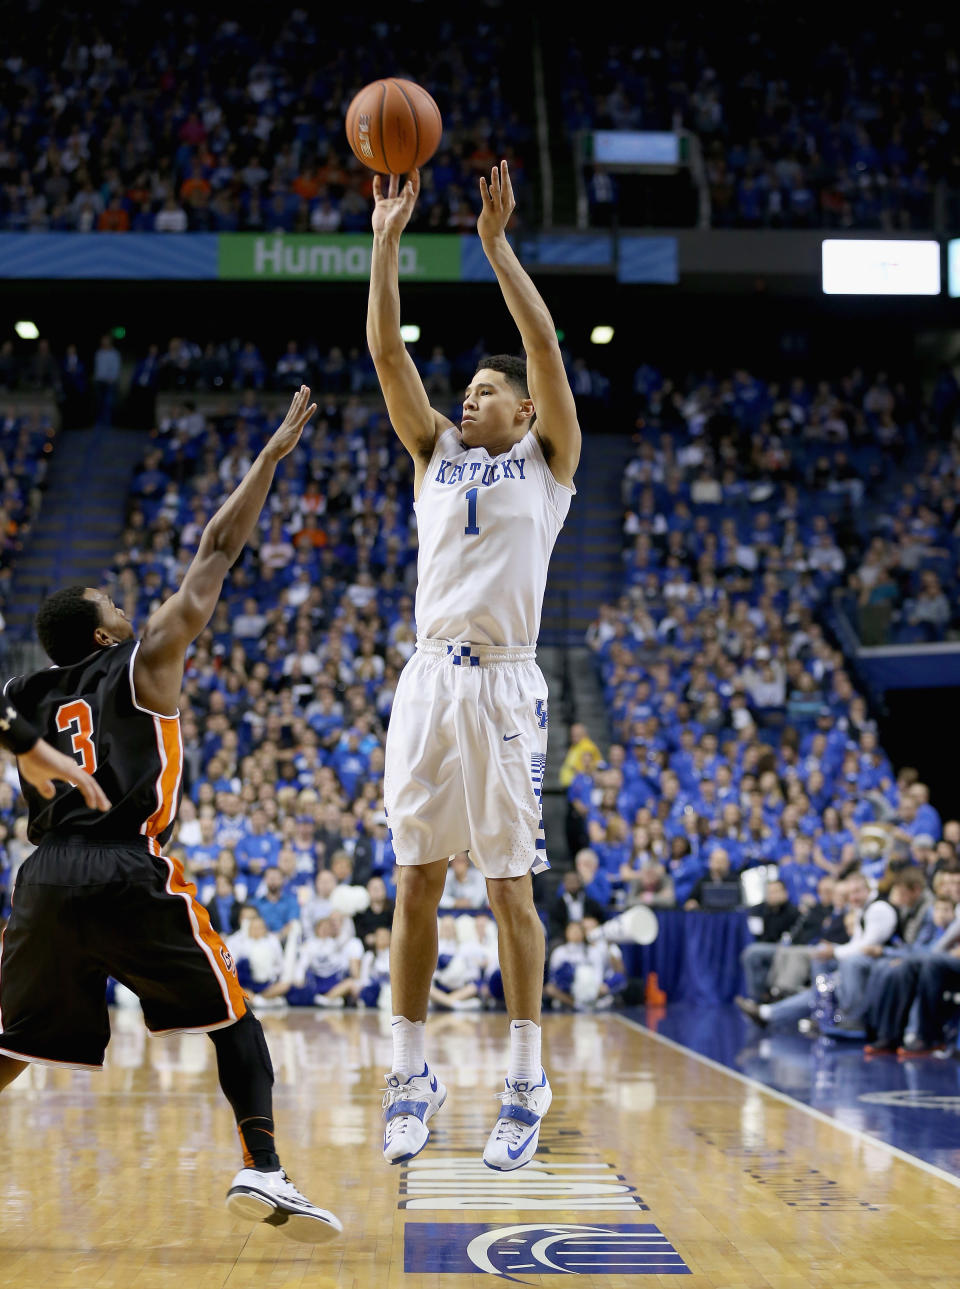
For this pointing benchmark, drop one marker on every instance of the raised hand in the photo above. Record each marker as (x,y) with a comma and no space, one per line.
(499,203)
(287,436)
(392,210)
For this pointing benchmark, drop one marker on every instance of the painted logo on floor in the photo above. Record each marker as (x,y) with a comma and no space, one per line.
(464,1182)
(559,1247)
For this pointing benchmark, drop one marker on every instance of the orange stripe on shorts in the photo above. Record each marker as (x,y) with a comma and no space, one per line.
(210,942)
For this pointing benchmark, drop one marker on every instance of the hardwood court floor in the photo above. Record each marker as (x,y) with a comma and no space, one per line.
(116,1180)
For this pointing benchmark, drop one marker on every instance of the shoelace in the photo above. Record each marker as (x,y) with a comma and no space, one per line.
(511,1130)
(402,1093)
(290,1190)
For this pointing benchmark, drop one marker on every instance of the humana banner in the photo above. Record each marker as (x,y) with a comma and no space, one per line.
(332,257)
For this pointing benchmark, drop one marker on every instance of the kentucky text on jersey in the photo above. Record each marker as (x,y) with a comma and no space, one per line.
(491,471)
(472,524)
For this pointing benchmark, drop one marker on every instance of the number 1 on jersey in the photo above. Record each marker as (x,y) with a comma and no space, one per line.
(77,717)
(471,529)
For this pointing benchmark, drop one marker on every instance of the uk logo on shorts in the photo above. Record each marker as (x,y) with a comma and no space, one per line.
(509,1252)
(542,712)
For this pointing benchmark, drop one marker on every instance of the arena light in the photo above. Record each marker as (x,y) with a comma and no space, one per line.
(953,267)
(601,335)
(871,266)
(410,333)
(27,330)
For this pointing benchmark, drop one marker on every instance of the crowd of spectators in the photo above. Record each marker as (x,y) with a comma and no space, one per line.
(238,364)
(733,714)
(26,443)
(113,121)
(286,699)
(110,122)
(106,383)
(800,490)
(802,122)
(743,761)
(906,587)
(739,742)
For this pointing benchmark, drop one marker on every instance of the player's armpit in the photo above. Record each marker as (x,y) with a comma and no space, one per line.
(416,423)
(556,425)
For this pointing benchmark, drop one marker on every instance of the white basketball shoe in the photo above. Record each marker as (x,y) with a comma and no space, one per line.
(516,1133)
(272,1198)
(407,1108)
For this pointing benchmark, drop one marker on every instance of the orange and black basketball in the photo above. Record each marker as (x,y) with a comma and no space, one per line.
(393,126)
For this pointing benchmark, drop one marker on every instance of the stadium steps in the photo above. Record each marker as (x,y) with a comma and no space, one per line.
(586,568)
(584,702)
(76,534)
(550,660)
(552,38)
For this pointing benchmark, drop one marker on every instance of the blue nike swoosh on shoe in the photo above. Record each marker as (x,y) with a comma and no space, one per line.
(515,1154)
(508,737)
(433,1084)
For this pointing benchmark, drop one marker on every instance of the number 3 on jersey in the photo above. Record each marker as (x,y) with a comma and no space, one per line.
(76,718)
(472,530)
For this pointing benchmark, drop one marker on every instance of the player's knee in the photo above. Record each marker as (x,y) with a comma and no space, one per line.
(510,897)
(243,1044)
(421,884)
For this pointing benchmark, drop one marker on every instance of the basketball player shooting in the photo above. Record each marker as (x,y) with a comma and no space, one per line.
(466,746)
(98,897)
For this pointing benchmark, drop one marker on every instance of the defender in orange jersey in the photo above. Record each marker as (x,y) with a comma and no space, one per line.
(99,897)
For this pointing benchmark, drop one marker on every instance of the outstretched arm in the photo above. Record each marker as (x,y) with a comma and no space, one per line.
(415,421)
(557,425)
(158,671)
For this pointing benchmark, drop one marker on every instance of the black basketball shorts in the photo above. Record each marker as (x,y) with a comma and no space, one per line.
(82,912)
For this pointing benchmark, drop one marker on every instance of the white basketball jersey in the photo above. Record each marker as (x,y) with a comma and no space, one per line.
(487,526)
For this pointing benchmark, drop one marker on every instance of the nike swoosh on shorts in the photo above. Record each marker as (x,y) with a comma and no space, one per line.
(508,737)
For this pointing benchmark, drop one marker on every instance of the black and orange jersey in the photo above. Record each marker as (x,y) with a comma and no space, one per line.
(90,712)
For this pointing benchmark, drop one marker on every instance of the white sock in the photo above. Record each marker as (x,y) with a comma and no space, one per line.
(764,1011)
(524,1051)
(408,1041)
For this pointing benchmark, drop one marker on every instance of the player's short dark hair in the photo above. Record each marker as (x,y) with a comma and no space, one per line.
(65,625)
(515,370)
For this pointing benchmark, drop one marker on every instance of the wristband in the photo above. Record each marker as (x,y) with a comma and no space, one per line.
(16,734)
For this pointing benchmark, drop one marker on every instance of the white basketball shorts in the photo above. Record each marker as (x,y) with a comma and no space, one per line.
(465,757)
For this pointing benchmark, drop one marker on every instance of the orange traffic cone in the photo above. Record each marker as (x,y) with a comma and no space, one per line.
(654,996)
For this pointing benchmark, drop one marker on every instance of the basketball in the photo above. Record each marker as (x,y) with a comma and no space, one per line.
(393,126)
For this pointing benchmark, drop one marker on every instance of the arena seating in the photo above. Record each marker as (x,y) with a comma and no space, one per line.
(27,437)
(800,126)
(112,123)
(735,720)
(748,505)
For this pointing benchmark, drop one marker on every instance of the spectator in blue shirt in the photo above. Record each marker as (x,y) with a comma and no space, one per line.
(106,375)
(596,881)
(800,874)
(303,844)
(278,906)
(259,847)
(927,817)
(202,857)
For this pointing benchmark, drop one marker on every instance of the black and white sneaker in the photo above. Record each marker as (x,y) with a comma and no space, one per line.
(273,1198)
